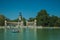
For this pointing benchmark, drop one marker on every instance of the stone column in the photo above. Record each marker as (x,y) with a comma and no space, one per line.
(5,23)
(21,23)
(26,23)
(18,23)
(35,22)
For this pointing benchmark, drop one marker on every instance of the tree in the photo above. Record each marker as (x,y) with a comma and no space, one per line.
(42,18)
(57,23)
(2,20)
(24,20)
(31,19)
(53,20)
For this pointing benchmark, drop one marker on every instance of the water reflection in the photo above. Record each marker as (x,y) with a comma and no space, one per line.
(31,34)
(25,34)
(48,34)
(1,34)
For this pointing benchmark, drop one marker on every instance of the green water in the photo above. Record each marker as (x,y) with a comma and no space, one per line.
(31,34)
(48,34)
(1,34)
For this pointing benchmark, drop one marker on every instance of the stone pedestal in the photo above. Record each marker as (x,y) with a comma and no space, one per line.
(35,22)
(5,23)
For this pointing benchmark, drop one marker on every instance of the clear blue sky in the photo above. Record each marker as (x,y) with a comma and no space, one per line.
(29,8)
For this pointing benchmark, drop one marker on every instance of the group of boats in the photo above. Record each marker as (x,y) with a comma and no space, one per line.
(14,29)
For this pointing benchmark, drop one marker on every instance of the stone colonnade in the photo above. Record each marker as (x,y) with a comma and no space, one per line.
(21,23)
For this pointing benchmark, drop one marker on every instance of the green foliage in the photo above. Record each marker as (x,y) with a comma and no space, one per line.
(52,20)
(24,20)
(43,19)
(2,20)
(57,23)
(31,19)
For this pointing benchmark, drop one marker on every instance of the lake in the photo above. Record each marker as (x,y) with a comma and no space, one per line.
(30,34)
(1,34)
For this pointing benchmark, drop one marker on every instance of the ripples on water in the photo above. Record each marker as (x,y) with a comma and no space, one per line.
(1,34)
(31,34)
(48,34)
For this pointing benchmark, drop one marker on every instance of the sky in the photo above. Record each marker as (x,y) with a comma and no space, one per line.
(28,8)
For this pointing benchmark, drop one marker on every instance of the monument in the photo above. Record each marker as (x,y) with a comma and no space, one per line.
(20,22)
